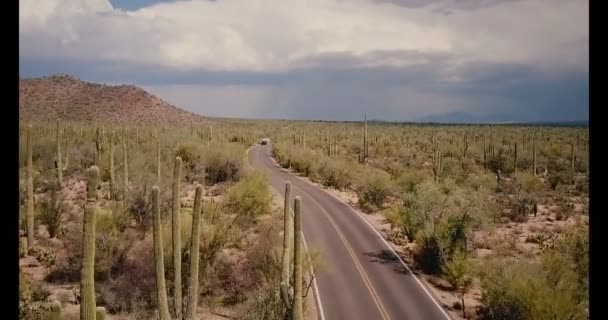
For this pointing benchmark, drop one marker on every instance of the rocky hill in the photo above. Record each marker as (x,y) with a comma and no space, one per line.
(65,97)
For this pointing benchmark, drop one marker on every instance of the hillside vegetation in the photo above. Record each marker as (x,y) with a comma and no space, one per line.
(67,98)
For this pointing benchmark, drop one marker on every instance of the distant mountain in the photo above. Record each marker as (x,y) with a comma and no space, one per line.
(65,97)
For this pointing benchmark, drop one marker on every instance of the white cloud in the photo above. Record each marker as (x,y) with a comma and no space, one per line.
(259,35)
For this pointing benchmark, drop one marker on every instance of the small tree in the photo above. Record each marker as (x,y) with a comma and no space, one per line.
(457,271)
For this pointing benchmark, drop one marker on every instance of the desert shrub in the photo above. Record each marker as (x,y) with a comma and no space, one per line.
(249,198)
(524,290)
(528,182)
(457,271)
(192,154)
(31,299)
(111,244)
(266,303)
(139,205)
(45,255)
(428,253)
(68,269)
(52,209)
(223,163)
(500,162)
(134,287)
(336,173)
(235,278)
(409,179)
(560,177)
(581,184)
(373,188)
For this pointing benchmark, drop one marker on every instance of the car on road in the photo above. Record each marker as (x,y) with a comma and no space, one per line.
(265,141)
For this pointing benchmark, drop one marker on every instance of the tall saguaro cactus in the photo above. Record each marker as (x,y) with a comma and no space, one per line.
(29,202)
(572,156)
(125,164)
(534,155)
(515,158)
(194,252)
(58,163)
(297,312)
(287,235)
(87,281)
(158,159)
(177,245)
(111,156)
(161,290)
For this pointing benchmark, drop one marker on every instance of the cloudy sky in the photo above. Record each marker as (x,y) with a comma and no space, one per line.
(404,60)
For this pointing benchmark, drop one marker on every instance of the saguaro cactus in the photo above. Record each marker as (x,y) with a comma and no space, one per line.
(287,235)
(87,281)
(111,156)
(572,155)
(99,137)
(58,163)
(161,291)
(297,312)
(158,159)
(465,146)
(515,158)
(437,165)
(534,155)
(194,252)
(177,245)
(29,202)
(125,165)
(485,153)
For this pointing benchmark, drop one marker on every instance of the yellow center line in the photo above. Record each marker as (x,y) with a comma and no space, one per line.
(351,252)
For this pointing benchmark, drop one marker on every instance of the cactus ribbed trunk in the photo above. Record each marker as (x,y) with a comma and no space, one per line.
(161,290)
(125,165)
(364,157)
(87,281)
(515,158)
(297,311)
(572,155)
(111,156)
(534,155)
(59,165)
(158,160)
(177,244)
(29,202)
(287,235)
(485,154)
(194,252)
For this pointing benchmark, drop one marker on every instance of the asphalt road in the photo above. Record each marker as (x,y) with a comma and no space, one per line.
(362,278)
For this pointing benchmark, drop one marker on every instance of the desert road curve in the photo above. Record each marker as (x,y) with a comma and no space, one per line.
(362,278)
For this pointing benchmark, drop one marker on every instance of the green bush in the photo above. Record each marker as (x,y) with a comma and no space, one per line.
(375,186)
(556,287)
(223,163)
(336,173)
(46,256)
(249,198)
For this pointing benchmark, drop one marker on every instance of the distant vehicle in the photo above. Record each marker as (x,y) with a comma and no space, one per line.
(265,141)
